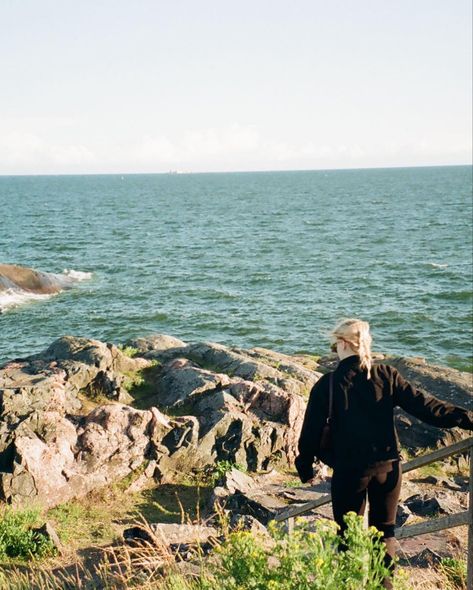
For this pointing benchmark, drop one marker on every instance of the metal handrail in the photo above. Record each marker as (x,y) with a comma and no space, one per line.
(453,520)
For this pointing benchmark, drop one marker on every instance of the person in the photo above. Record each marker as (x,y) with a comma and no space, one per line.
(365,449)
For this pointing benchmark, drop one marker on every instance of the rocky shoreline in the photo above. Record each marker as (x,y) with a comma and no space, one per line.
(84,414)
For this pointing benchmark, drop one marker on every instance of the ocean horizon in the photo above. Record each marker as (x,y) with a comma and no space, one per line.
(257,171)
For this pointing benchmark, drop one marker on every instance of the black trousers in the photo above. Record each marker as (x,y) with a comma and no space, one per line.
(382,486)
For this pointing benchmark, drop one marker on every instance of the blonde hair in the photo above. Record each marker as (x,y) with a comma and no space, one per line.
(357,334)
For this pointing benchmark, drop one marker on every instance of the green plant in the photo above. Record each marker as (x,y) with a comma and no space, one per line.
(213,474)
(303,560)
(17,537)
(454,571)
(133,380)
(129,351)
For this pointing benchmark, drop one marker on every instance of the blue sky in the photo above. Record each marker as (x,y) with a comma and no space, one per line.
(150,86)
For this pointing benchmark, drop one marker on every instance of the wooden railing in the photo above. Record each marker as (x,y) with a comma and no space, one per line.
(430,526)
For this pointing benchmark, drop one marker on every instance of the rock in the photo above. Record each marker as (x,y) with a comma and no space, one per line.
(426,558)
(287,365)
(169,534)
(261,506)
(215,404)
(91,353)
(424,505)
(302,495)
(238,421)
(440,482)
(180,378)
(425,550)
(237,481)
(19,283)
(404,515)
(150,477)
(66,462)
(156,343)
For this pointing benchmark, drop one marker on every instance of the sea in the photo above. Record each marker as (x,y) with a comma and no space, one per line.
(268,259)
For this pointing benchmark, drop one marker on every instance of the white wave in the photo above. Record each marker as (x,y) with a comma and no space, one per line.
(14,297)
(77,275)
(436,265)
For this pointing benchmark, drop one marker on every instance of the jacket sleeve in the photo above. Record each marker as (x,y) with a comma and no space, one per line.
(428,408)
(315,417)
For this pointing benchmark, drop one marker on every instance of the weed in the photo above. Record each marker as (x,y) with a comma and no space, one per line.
(17,537)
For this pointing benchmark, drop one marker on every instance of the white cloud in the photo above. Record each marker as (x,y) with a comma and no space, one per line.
(23,153)
(234,147)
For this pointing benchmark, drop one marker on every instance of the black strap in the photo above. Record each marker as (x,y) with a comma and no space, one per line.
(330,398)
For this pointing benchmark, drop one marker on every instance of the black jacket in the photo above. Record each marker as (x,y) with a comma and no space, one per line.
(363,431)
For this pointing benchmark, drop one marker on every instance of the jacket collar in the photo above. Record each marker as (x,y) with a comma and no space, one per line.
(348,362)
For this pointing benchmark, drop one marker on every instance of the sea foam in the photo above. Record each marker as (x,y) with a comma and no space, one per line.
(77,275)
(15,297)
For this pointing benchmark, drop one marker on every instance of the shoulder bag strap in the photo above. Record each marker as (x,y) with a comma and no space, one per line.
(330,399)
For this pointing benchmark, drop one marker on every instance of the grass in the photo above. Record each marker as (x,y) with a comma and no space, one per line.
(99,517)
(141,385)
(94,519)
(454,570)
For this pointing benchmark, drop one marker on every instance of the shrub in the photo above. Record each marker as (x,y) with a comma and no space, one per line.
(18,540)
(304,560)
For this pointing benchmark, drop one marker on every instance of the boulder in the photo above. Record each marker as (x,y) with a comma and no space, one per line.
(404,515)
(28,280)
(55,460)
(252,424)
(425,550)
(237,481)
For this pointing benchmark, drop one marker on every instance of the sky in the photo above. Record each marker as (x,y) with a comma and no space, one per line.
(113,86)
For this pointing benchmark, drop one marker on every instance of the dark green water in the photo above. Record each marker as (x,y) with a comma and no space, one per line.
(267,259)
